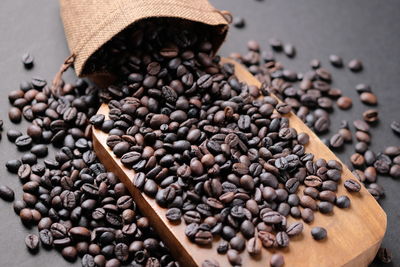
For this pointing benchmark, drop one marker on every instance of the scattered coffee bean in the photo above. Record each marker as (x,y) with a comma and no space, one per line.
(238,22)
(355,65)
(27,60)
(384,255)
(319,233)
(6,193)
(344,102)
(277,260)
(336,61)
(352,185)
(368,98)
(32,242)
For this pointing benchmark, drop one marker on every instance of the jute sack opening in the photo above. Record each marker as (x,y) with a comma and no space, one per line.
(89,24)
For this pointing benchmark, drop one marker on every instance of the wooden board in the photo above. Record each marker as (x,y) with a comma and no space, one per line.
(354,234)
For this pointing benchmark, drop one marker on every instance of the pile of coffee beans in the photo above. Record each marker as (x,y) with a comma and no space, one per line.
(78,207)
(218,154)
(213,152)
(312,98)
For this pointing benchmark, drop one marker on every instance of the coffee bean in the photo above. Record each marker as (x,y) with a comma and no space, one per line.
(238,243)
(69,253)
(344,102)
(234,257)
(395,126)
(23,142)
(336,141)
(174,214)
(318,233)
(289,50)
(254,246)
(6,193)
(352,185)
(27,60)
(210,263)
(32,242)
(343,202)
(46,238)
(294,229)
(336,61)
(384,255)
(368,98)
(371,115)
(238,22)
(355,65)
(15,115)
(277,260)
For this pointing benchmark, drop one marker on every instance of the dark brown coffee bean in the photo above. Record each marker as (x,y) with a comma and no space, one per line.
(318,233)
(355,65)
(15,115)
(32,242)
(267,239)
(6,193)
(336,141)
(313,181)
(384,255)
(210,263)
(368,98)
(343,202)
(234,258)
(295,229)
(277,260)
(352,185)
(344,102)
(357,160)
(371,115)
(395,126)
(254,246)
(336,61)
(46,237)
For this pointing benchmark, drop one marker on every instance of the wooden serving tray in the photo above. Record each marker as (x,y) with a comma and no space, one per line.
(354,234)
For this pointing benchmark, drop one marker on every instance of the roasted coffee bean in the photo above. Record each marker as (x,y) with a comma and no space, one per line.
(238,243)
(46,237)
(282,239)
(6,193)
(174,214)
(384,255)
(254,246)
(234,258)
(343,202)
(32,242)
(27,60)
(395,126)
(267,239)
(210,263)
(336,141)
(355,65)
(370,115)
(294,229)
(277,260)
(352,185)
(344,102)
(15,115)
(238,22)
(368,98)
(318,233)
(336,61)
(23,142)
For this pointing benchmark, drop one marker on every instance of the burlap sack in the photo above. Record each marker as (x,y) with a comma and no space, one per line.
(89,24)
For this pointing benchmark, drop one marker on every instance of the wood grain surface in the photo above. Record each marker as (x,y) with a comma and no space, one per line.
(354,234)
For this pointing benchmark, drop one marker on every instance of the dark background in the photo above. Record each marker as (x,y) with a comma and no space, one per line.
(368,30)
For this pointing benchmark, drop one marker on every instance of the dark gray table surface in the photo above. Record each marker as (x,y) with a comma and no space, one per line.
(368,30)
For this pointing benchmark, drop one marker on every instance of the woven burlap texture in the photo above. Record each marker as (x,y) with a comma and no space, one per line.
(89,24)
